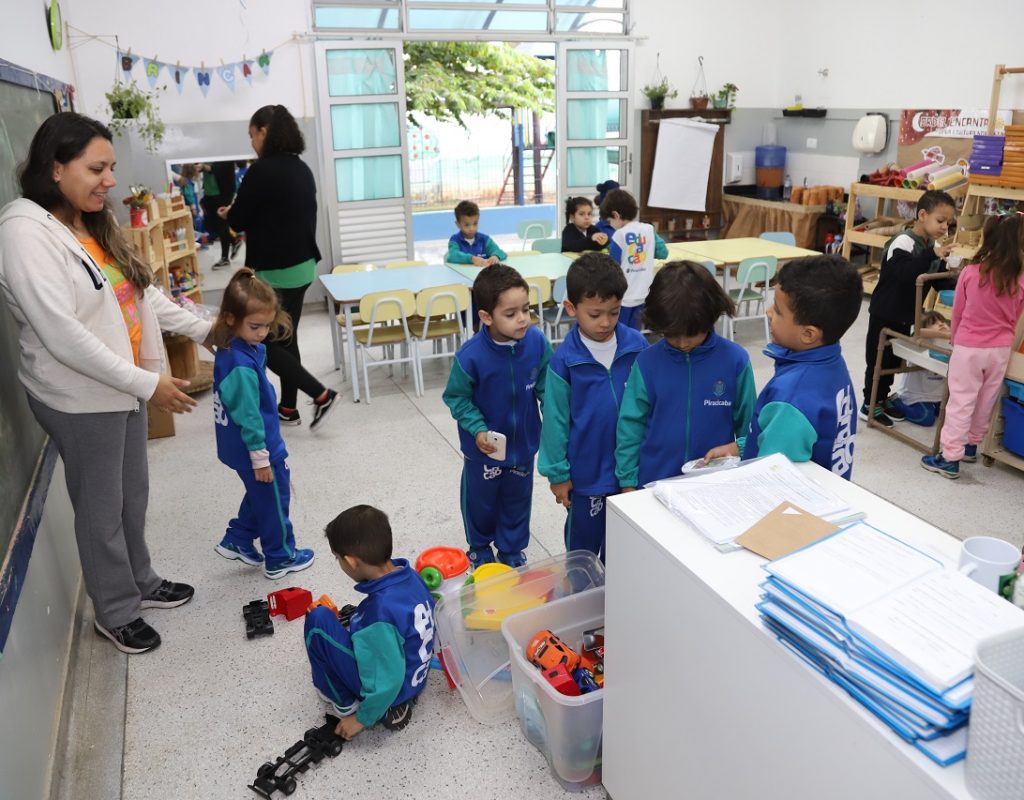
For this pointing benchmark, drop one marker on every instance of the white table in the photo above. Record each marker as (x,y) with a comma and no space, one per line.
(543,265)
(348,288)
(702,702)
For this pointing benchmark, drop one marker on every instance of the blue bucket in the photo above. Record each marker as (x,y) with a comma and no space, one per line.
(1013,432)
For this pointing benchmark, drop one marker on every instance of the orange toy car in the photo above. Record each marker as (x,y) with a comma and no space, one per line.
(547,651)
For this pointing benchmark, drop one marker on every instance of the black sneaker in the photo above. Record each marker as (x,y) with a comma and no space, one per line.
(289,416)
(235,247)
(397,717)
(222,262)
(135,637)
(893,410)
(168,595)
(881,417)
(322,410)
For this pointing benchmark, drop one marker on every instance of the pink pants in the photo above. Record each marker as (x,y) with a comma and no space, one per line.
(975,379)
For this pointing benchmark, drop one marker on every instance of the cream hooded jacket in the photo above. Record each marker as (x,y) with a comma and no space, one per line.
(76,356)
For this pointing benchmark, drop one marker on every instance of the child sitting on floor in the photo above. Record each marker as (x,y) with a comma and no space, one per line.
(920,393)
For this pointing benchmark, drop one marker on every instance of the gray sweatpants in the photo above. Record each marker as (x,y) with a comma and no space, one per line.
(107,475)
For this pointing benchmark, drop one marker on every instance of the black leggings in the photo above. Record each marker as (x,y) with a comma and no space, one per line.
(283,357)
(216,226)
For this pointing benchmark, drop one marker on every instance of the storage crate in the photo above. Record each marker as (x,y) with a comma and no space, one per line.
(1016,390)
(1013,432)
(995,738)
(469,623)
(566,729)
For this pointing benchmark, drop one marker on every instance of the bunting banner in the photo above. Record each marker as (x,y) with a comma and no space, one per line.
(176,73)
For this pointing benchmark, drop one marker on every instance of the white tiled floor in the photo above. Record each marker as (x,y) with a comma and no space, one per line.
(207,708)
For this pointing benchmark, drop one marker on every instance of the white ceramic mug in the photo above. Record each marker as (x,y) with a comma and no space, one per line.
(989,561)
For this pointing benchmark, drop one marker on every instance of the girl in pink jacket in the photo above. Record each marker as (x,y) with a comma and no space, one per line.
(989,300)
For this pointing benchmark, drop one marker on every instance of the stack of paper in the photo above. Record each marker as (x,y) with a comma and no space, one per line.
(724,504)
(890,625)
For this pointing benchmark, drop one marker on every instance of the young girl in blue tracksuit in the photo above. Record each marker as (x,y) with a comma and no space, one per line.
(248,428)
(584,387)
(690,393)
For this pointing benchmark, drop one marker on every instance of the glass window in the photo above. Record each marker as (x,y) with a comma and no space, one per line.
(435,19)
(365,125)
(356,18)
(368,178)
(589,166)
(351,73)
(595,119)
(593,22)
(589,3)
(595,71)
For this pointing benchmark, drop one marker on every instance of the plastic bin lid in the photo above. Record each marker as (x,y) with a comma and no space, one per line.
(468,623)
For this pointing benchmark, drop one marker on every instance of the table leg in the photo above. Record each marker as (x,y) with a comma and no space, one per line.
(350,347)
(335,335)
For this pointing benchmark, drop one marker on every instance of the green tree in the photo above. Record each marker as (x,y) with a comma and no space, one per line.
(450,80)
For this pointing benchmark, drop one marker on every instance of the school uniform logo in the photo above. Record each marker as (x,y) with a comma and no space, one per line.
(532,380)
(636,248)
(719,388)
(490,473)
(842,448)
(596,506)
(718,391)
(220,416)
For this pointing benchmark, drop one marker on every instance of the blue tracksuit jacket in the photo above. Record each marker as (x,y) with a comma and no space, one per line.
(660,248)
(391,638)
(245,408)
(679,405)
(461,252)
(807,411)
(581,411)
(496,387)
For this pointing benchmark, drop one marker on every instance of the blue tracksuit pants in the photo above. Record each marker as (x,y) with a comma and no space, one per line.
(332,658)
(584,524)
(263,515)
(496,505)
(632,316)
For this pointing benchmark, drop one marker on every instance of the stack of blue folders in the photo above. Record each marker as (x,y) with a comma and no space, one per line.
(891,626)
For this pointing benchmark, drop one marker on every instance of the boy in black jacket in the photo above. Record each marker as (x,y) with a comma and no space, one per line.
(907,255)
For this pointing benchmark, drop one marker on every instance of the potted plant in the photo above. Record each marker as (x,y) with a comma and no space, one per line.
(658,92)
(137,202)
(726,96)
(130,106)
(699,98)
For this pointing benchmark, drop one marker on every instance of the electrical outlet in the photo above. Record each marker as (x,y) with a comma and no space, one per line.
(812,144)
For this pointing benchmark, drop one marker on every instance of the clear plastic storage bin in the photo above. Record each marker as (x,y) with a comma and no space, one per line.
(469,625)
(566,729)
(995,738)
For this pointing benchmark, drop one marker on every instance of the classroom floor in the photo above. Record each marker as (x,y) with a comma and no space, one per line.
(197,717)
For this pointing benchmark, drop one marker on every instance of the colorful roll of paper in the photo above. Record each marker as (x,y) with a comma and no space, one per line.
(942,172)
(907,170)
(912,180)
(947,182)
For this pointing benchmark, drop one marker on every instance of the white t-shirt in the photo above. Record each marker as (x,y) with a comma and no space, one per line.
(603,352)
(921,387)
(635,242)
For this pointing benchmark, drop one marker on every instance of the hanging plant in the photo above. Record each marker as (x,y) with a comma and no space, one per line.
(699,93)
(659,89)
(132,107)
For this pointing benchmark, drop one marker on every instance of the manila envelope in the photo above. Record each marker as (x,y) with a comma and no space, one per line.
(784,530)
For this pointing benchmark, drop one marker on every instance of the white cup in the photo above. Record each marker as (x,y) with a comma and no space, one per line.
(989,561)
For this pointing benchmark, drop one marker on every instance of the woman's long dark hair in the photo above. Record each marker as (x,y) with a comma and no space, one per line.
(60,140)
(283,134)
(1001,254)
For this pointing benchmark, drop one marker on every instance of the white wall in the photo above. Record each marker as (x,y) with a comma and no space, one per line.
(195,31)
(25,39)
(879,53)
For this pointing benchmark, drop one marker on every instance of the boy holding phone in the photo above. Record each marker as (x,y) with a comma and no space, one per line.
(495,387)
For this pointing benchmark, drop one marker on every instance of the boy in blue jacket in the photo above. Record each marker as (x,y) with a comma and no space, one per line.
(808,410)
(690,393)
(496,382)
(583,390)
(371,662)
(469,245)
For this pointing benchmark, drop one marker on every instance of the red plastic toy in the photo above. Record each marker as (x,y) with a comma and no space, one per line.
(292,602)
(547,651)
(438,564)
(563,682)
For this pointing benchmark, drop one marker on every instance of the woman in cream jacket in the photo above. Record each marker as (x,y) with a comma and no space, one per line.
(89,330)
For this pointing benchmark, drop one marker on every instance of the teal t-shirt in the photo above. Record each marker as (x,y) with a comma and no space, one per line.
(290,277)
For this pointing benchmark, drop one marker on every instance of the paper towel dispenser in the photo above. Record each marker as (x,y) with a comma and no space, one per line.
(871,133)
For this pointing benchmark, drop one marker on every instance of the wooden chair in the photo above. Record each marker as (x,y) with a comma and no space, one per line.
(386,314)
(753,276)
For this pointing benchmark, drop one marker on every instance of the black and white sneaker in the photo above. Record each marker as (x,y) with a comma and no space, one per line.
(881,417)
(221,262)
(235,247)
(135,637)
(288,416)
(322,410)
(891,408)
(397,717)
(168,595)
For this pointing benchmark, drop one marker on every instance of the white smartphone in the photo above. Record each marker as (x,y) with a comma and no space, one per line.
(698,466)
(498,440)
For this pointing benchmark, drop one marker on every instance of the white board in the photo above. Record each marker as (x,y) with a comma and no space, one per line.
(682,162)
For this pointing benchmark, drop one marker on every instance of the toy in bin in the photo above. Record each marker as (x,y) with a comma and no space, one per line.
(547,651)
(569,672)
(498,599)
(443,569)
(292,602)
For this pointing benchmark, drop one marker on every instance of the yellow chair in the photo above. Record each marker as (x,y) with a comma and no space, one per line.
(441,319)
(345,269)
(540,293)
(387,324)
(522,252)
(341,269)
(400,264)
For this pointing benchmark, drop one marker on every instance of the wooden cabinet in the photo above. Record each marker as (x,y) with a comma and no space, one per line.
(670,222)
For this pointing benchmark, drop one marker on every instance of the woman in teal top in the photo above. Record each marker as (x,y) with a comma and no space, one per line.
(276,207)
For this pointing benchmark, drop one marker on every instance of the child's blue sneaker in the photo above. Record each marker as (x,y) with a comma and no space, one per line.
(513,560)
(970,453)
(480,555)
(936,463)
(299,562)
(247,554)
